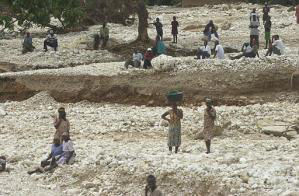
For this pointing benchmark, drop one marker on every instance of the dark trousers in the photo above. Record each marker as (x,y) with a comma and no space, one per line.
(202,54)
(51,44)
(147,64)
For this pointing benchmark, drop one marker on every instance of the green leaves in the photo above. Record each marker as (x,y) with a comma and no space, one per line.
(40,12)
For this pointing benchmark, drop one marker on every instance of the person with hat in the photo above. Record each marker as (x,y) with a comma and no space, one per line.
(61,124)
(148,56)
(51,41)
(174,131)
(151,187)
(209,123)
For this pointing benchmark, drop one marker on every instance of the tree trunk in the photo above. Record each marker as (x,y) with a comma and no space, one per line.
(143,23)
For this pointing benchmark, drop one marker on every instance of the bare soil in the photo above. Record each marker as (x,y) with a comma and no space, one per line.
(225,88)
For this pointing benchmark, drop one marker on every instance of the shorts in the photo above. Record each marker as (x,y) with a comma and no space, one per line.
(267,35)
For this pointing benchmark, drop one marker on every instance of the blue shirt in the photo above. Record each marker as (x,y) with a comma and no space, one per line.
(56,150)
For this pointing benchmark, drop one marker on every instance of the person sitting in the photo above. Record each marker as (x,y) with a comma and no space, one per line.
(277,46)
(68,155)
(160,47)
(136,60)
(96,41)
(248,51)
(204,51)
(148,56)
(51,161)
(151,187)
(2,163)
(27,44)
(51,41)
(104,35)
(219,51)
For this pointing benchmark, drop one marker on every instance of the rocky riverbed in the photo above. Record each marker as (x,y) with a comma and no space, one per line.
(118,145)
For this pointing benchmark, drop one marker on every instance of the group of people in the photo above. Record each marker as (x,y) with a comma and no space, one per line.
(52,41)
(62,150)
(174,121)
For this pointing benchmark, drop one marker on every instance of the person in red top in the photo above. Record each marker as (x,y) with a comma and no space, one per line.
(148,56)
(297,13)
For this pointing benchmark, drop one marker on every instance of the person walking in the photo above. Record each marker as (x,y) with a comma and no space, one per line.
(174,30)
(151,187)
(209,123)
(174,132)
(268,25)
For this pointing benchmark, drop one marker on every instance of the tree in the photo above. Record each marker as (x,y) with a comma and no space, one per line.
(40,12)
(143,23)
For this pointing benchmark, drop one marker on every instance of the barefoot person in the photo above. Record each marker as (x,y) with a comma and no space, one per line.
(51,161)
(174,132)
(151,187)
(61,124)
(174,30)
(209,122)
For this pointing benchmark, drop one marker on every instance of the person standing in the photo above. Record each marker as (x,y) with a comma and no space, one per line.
(219,51)
(297,13)
(254,27)
(61,124)
(151,187)
(268,25)
(174,30)
(51,41)
(104,35)
(159,28)
(209,123)
(266,11)
(174,132)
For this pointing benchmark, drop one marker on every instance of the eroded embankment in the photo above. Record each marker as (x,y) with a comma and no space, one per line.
(149,88)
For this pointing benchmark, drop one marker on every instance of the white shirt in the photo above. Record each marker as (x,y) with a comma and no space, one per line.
(137,57)
(206,49)
(279,44)
(248,49)
(220,52)
(68,146)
